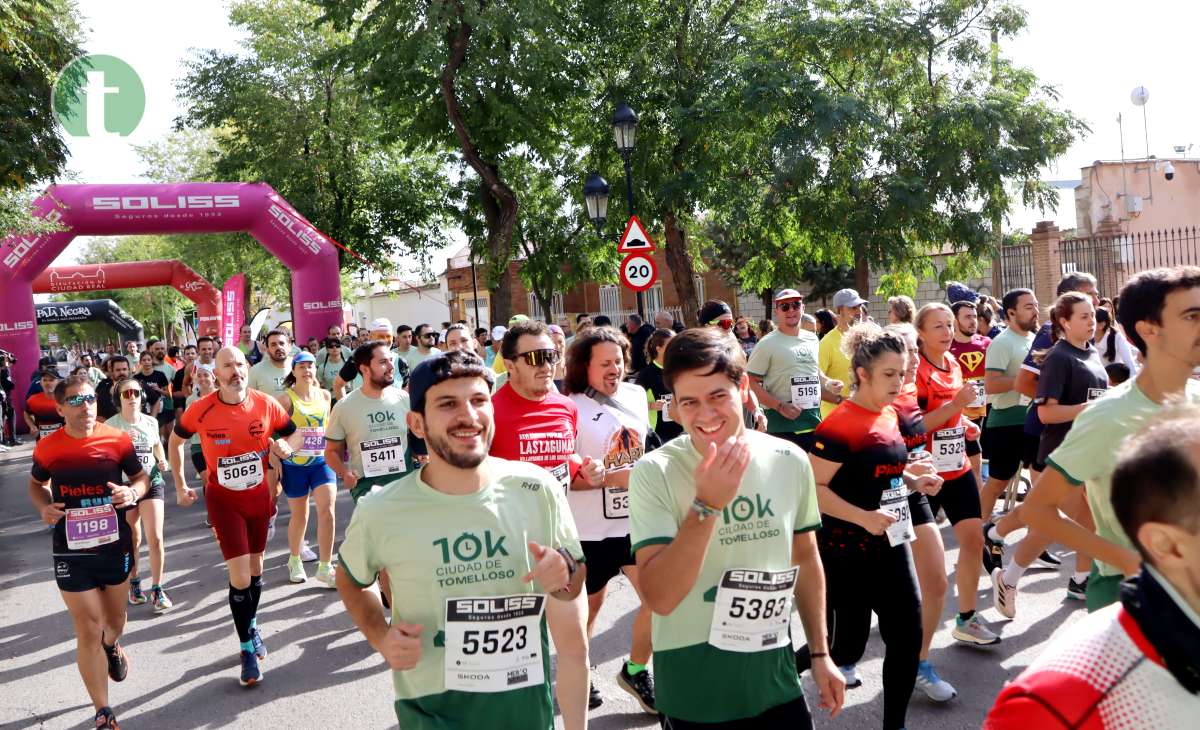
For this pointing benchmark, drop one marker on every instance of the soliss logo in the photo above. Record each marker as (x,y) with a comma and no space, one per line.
(16,326)
(24,245)
(310,238)
(153,202)
(331,304)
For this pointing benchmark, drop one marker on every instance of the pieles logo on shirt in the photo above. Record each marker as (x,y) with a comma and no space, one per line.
(971,360)
(624,448)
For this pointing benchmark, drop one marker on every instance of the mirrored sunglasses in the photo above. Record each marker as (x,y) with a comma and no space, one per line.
(81,398)
(131,393)
(537,358)
(725,324)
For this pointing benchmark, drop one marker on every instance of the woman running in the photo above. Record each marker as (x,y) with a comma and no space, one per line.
(942,396)
(929,553)
(859,462)
(147,512)
(206,382)
(306,472)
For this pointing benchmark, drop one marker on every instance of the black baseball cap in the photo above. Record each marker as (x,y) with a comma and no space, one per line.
(443,367)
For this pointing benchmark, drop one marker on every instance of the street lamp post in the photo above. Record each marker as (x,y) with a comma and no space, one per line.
(595,188)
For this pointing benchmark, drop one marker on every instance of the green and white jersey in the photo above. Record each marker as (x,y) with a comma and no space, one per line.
(376,426)
(269,379)
(144,434)
(788,366)
(1005,355)
(694,680)
(439,550)
(414,358)
(1089,452)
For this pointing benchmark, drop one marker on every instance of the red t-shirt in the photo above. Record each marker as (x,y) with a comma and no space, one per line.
(937,386)
(79,471)
(970,357)
(539,432)
(231,432)
(44,410)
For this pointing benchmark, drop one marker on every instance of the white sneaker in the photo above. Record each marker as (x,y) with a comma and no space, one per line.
(327,577)
(850,672)
(934,687)
(974,632)
(1004,596)
(307,554)
(296,572)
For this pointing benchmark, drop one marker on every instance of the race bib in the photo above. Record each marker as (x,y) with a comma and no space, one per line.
(980,393)
(493,644)
(1094,393)
(894,501)
(313,445)
(562,473)
(752,610)
(46,429)
(666,409)
(616,503)
(806,392)
(382,457)
(89,527)
(145,458)
(949,449)
(244,471)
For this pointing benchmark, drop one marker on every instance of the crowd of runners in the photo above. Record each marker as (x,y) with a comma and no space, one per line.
(502,479)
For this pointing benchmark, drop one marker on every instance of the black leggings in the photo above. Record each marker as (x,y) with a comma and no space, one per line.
(858,582)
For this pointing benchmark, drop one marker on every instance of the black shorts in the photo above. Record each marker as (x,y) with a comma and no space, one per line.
(973,448)
(198,462)
(959,498)
(165,417)
(791,715)
(918,507)
(157,490)
(803,440)
(1029,452)
(79,573)
(604,559)
(1006,448)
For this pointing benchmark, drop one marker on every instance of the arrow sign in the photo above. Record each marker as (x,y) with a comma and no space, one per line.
(635,238)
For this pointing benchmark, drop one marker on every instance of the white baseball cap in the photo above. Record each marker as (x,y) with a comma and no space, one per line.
(383,324)
(498,332)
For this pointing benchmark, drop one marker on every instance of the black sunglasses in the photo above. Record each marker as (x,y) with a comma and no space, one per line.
(81,398)
(789,306)
(537,358)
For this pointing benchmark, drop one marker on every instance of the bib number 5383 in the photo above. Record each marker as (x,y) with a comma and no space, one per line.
(752,610)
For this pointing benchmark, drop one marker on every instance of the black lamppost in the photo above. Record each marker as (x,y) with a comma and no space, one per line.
(595,189)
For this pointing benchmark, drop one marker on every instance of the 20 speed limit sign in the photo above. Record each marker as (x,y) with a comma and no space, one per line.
(638,271)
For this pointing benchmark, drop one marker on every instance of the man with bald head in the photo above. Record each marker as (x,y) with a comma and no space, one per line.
(238,426)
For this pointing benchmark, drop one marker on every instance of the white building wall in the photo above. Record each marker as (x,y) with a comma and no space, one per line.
(405,306)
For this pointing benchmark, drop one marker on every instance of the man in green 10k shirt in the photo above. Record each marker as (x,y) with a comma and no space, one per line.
(473,547)
(723,527)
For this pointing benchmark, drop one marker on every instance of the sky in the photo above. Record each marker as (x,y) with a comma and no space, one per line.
(1093,51)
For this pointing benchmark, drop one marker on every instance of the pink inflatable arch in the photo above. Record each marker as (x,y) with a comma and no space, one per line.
(116,210)
(137,274)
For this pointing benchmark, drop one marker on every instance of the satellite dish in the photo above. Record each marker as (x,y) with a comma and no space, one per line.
(1139,96)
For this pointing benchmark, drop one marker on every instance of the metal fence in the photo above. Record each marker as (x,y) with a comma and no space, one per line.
(1113,259)
(1016,267)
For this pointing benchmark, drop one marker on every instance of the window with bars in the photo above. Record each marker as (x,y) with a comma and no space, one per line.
(701,293)
(654,300)
(556,307)
(610,301)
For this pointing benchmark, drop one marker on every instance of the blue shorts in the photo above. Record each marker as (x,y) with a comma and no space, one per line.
(299,481)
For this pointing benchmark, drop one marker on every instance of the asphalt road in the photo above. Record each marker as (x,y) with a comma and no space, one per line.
(322,674)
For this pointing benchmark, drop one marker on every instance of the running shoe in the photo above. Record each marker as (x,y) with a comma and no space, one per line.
(1004,596)
(307,554)
(260,648)
(251,674)
(934,687)
(850,672)
(594,698)
(1077,590)
(118,662)
(296,572)
(1046,560)
(327,577)
(136,596)
(993,550)
(640,685)
(106,720)
(162,603)
(972,631)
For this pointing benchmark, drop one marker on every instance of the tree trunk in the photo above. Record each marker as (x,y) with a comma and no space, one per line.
(682,273)
(501,214)
(862,276)
(768,298)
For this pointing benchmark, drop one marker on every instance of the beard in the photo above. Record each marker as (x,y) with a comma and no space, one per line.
(458,459)
(383,382)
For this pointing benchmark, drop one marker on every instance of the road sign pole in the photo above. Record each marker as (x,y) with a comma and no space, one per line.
(641,301)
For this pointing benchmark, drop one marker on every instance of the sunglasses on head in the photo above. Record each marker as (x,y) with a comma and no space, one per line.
(725,324)
(131,393)
(81,398)
(796,304)
(537,358)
